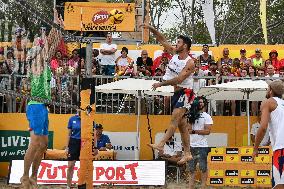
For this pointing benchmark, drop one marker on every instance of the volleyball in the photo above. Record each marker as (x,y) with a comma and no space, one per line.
(116,16)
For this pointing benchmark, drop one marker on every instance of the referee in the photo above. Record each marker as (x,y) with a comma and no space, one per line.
(74,145)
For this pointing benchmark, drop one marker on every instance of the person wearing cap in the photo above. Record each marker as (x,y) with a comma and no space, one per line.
(257,61)
(74,144)
(243,57)
(205,58)
(103,141)
(272,117)
(122,62)
(273,56)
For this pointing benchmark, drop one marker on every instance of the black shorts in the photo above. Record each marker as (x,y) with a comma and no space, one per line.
(74,148)
(182,98)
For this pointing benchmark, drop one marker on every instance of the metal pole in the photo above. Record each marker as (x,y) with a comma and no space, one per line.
(143,18)
(88,62)
(248,117)
(137,151)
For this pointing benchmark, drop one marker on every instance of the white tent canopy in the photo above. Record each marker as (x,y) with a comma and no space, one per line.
(249,90)
(132,86)
(236,90)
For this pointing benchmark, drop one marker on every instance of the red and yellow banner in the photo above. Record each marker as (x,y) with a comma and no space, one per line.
(93,16)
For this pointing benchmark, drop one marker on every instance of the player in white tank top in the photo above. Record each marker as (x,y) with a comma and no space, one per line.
(178,75)
(272,117)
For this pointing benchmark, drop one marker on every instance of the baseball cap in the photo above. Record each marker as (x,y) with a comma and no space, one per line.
(243,50)
(257,50)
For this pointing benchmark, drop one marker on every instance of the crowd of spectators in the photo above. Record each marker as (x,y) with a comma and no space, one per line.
(65,69)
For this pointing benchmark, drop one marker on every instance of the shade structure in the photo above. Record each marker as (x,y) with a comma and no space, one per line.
(249,90)
(139,88)
(236,90)
(132,86)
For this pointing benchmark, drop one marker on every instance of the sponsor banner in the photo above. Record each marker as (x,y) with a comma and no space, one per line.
(247,173)
(232,151)
(125,149)
(216,158)
(15,143)
(232,159)
(263,159)
(216,181)
(216,173)
(231,181)
(232,173)
(246,151)
(263,181)
(217,151)
(105,172)
(247,181)
(94,16)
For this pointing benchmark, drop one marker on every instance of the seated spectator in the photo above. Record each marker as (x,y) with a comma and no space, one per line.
(225,59)
(163,59)
(11,64)
(252,71)
(172,151)
(107,51)
(144,64)
(103,141)
(265,141)
(281,72)
(270,71)
(273,56)
(257,61)
(159,72)
(226,71)
(123,62)
(267,62)
(247,64)
(244,73)
(243,57)
(236,67)
(205,58)
(74,59)
(260,72)
(56,62)
(96,69)
(162,65)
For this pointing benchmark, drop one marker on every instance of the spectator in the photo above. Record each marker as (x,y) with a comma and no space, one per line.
(236,67)
(74,145)
(96,68)
(103,141)
(243,57)
(273,56)
(260,72)
(252,71)
(56,62)
(281,72)
(162,65)
(225,59)
(2,57)
(144,64)
(213,71)
(74,60)
(163,59)
(205,58)
(198,143)
(257,61)
(172,151)
(11,64)
(267,62)
(248,63)
(244,73)
(159,72)
(123,62)
(271,71)
(108,50)
(265,141)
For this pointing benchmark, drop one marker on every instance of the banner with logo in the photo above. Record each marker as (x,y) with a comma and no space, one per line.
(233,166)
(94,16)
(105,172)
(14,144)
(209,17)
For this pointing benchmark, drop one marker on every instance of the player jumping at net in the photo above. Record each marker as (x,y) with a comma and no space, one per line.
(179,75)
(272,117)
(37,113)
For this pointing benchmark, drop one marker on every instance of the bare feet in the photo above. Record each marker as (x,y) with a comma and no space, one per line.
(25,182)
(156,147)
(33,182)
(184,159)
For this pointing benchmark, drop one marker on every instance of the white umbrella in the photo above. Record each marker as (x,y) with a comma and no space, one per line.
(137,87)
(249,90)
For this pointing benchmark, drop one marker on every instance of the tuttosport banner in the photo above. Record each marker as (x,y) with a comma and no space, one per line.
(94,16)
(105,172)
(14,144)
